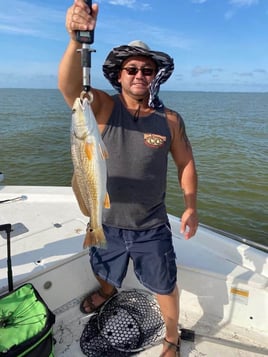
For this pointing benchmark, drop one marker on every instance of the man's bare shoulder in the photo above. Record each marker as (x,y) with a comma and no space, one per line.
(174,118)
(177,126)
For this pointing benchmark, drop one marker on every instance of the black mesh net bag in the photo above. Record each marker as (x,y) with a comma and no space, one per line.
(128,322)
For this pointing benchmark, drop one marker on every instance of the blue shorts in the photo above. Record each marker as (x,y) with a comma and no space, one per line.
(152,253)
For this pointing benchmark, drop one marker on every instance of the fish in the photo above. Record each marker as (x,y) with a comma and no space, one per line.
(89,181)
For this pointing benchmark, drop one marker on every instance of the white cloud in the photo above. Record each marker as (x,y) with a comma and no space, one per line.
(244,2)
(132,4)
(127,3)
(244,74)
(199,1)
(252,73)
(30,19)
(238,4)
(199,70)
(17,30)
(158,38)
(164,38)
(260,71)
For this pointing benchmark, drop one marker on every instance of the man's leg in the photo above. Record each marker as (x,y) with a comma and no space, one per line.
(169,306)
(98,297)
(111,264)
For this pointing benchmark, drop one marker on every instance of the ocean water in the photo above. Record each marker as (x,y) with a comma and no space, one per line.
(228,132)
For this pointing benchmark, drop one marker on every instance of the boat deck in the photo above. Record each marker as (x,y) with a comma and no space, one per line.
(224,284)
(207,342)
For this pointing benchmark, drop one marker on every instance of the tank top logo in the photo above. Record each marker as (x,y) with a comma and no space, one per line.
(154,140)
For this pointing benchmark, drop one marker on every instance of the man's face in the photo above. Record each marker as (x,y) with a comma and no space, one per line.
(136,74)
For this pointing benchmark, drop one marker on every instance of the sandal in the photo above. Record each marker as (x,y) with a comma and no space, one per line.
(172,346)
(90,305)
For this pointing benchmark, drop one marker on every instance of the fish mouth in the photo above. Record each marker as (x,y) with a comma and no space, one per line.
(81,103)
(77,105)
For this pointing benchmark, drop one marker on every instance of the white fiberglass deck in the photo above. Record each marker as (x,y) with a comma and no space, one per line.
(223,283)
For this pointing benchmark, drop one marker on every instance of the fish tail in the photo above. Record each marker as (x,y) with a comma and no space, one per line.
(94,237)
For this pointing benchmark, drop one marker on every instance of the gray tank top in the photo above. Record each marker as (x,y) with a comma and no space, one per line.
(137,168)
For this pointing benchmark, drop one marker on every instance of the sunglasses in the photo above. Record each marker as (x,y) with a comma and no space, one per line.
(131,71)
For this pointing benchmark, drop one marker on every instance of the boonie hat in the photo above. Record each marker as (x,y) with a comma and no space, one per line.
(115,59)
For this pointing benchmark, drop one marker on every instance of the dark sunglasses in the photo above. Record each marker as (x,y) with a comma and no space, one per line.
(131,71)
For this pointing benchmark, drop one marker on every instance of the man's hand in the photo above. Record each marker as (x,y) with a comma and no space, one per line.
(189,223)
(80,17)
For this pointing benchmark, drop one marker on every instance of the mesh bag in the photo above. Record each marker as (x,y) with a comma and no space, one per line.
(128,322)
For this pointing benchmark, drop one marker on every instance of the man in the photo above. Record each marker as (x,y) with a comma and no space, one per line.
(138,132)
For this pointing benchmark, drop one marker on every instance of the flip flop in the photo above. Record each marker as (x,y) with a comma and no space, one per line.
(172,346)
(91,305)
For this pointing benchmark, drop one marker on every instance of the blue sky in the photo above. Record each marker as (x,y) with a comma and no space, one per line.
(217,45)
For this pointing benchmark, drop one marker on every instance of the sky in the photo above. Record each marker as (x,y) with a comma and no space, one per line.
(217,45)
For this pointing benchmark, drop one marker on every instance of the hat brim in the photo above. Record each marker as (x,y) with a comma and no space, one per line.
(118,55)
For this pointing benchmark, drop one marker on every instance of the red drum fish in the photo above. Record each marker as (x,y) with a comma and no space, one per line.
(89,156)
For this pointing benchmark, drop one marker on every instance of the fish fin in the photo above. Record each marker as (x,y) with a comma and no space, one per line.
(79,197)
(103,151)
(107,203)
(94,237)
(89,150)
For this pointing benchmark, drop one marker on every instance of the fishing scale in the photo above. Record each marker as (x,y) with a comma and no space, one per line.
(86,38)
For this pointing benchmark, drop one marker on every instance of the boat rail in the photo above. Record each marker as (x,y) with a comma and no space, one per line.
(237,238)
